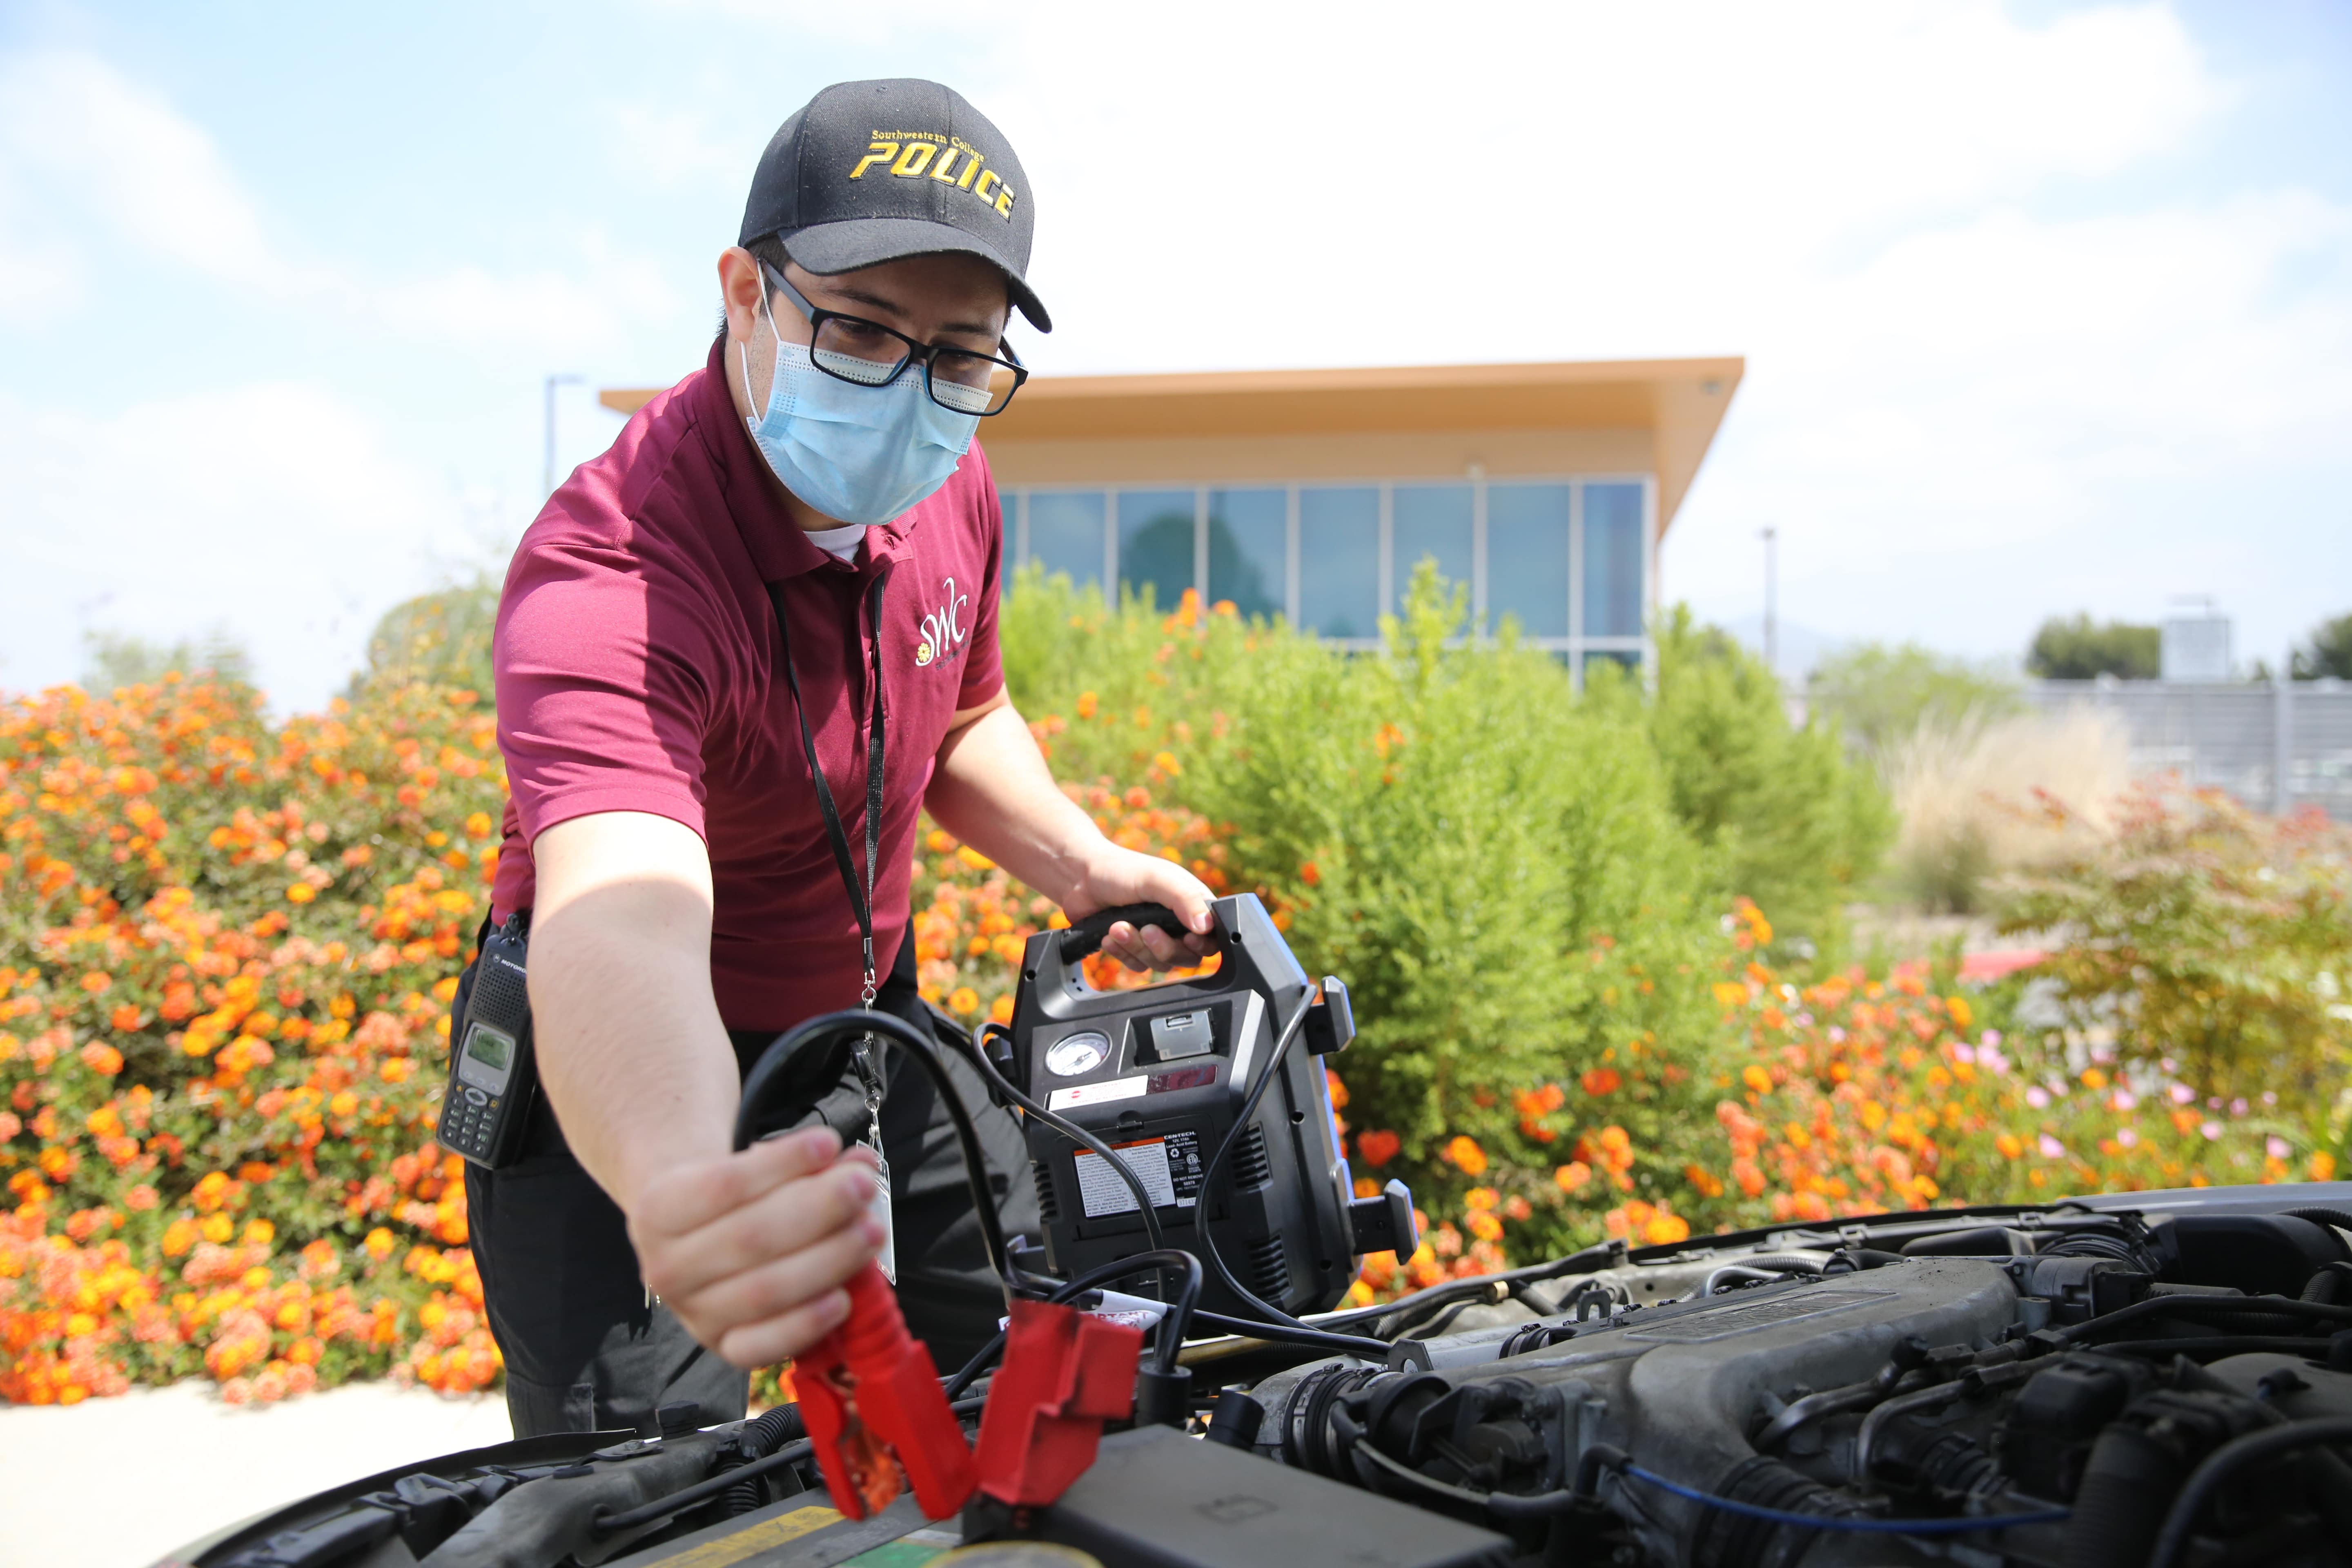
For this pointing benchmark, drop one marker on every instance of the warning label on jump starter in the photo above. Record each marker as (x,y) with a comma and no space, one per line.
(1169,1167)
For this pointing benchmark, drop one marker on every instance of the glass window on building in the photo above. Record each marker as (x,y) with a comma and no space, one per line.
(1066,535)
(1622,663)
(1613,561)
(1526,557)
(1433,522)
(1155,544)
(1339,560)
(1249,542)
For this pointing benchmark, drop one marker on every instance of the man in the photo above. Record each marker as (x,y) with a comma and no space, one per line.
(792,556)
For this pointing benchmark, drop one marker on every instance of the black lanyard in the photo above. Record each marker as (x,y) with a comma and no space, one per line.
(861,900)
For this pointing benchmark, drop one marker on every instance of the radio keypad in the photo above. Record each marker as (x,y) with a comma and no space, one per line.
(468,1121)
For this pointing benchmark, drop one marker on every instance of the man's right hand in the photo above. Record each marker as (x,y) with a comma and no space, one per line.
(752,1249)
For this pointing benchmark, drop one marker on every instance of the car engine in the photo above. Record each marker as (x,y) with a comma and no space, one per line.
(2126,1386)
(2151,1379)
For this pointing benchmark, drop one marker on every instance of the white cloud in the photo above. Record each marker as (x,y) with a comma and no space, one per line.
(1974,340)
(98,140)
(273,509)
(827,21)
(89,159)
(674,144)
(544,313)
(1968,347)
(1589,178)
(1979,393)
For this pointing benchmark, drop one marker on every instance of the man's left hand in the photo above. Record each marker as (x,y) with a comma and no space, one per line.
(1121,876)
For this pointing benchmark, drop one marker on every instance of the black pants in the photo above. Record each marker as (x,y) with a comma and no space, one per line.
(585,1351)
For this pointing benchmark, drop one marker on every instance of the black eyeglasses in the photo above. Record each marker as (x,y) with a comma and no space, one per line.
(867,353)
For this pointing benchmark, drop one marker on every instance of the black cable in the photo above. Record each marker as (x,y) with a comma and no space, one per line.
(761,1436)
(1513,1505)
(1283,1333)
(686,1498)
(1177,1325)
(2225,1461)
(2319,1214)
(703,1492)
(1201,1225)
(2218,1344)
(1437,1295)
(978,1052)
(1963,1526)
(971,1370)
(1169,1334)
(2203,1306)
(832,1027)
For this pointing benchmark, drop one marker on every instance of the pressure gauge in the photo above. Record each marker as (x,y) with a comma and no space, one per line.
(1074,1055)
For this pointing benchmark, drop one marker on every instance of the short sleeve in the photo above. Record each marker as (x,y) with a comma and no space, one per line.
(984,666)
(601,706)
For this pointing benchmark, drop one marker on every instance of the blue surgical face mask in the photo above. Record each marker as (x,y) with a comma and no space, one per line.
(857,454)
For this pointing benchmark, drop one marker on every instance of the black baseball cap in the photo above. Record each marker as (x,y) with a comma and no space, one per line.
(869,172)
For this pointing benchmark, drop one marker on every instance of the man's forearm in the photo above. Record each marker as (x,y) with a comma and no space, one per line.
(631,1049)
(991,790)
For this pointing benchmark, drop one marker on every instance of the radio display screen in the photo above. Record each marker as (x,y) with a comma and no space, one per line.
(489,1047)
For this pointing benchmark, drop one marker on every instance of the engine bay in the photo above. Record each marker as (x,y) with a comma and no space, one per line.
(1890,1391)
(2157,1379)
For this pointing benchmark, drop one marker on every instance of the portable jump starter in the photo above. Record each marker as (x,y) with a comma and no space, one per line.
(1160,1075)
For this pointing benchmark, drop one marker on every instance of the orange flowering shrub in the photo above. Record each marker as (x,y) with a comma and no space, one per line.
(1861,1095)
(224,1018)
(229,952)
(228,947)
(1841,1096)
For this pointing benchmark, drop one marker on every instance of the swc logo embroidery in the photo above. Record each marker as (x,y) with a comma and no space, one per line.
(926,154)
(943,630)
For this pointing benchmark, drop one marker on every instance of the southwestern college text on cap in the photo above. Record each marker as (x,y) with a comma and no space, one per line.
(871,172)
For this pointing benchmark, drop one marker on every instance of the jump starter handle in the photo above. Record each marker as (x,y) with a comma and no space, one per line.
(1084,938)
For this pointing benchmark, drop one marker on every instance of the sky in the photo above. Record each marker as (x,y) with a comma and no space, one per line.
(2045,307)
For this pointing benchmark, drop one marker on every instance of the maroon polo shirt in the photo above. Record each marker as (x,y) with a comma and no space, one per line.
(638,669)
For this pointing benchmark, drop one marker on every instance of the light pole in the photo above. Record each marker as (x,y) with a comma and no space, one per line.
(552,382)
(1772,601)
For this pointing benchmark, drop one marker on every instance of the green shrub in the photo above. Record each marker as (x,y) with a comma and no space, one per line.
(1879,695)
(437,639)
(1786,818)
(1495,867)
(2079,649)
(2326,653)
(2211,937)
(111,659)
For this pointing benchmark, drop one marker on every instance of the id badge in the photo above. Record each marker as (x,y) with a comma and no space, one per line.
(880,1209)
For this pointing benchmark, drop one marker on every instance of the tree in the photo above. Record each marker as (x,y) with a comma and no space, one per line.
(2076,648)
(115,659)
(2327,653)
(443,638)
(1881,695)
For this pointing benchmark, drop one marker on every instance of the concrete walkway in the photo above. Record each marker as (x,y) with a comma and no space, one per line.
(117,1483)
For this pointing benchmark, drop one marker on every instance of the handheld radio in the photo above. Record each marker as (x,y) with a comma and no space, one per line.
(493,1080)
(1161,1076)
